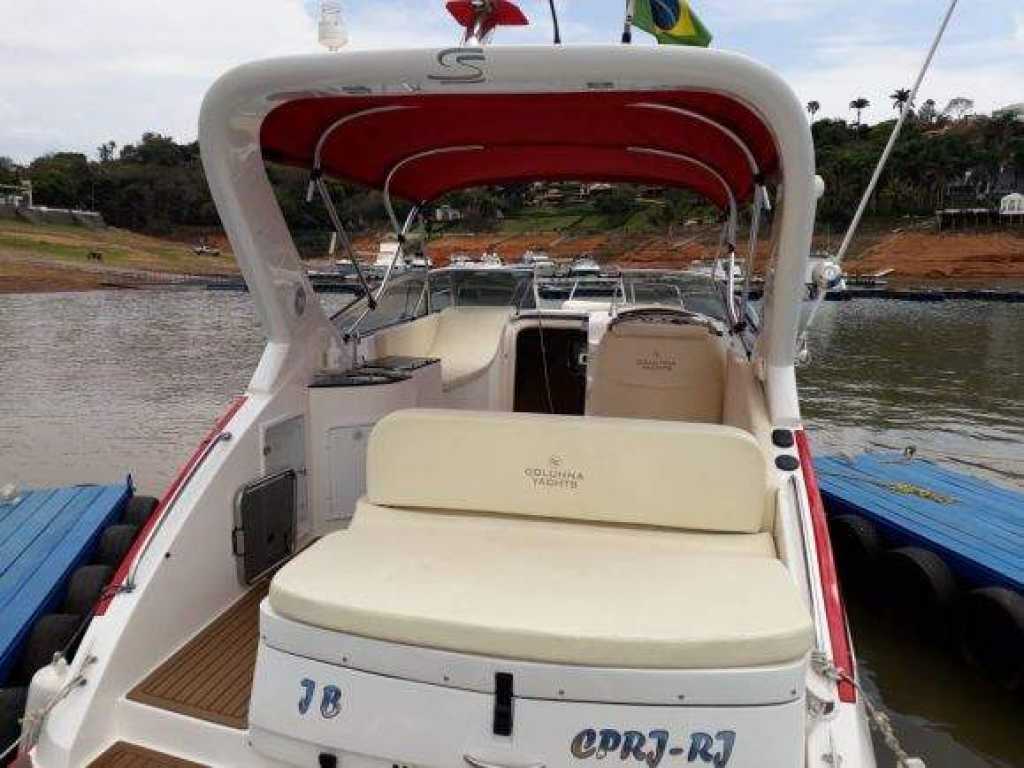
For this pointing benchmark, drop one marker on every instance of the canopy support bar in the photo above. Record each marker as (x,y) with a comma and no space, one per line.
(728,132)
(346,244)
(403,230)
(408,161)
(371,300)
(316,182)
(731,225)
(759,205)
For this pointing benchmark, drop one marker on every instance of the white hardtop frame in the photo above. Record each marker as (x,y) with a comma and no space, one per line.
(299,333)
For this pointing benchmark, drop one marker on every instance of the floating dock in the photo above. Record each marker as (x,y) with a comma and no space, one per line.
(925,295)
(321,284)
(44,536)
(944,549)
(976,526)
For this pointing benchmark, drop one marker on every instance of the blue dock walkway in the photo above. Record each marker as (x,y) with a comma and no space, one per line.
(977,527)
(44,536)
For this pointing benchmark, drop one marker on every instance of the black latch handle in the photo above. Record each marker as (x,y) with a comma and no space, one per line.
(503,704)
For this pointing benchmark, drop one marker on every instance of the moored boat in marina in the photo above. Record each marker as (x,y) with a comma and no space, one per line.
(389,553)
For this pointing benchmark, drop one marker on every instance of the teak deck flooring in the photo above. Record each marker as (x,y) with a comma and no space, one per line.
(124,755)
(210,678)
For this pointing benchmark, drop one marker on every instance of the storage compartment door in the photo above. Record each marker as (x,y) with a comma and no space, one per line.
(264,534)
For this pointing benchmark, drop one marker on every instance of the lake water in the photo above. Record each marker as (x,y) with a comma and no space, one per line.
(96,385)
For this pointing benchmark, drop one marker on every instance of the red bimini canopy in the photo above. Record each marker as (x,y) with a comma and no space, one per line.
(428,145)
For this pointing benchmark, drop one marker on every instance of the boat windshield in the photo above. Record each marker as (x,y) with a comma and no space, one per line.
(678,290)
(417,293)
(675,290)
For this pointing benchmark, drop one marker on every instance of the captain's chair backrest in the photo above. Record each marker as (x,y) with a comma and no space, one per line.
(698,477)
(658,370)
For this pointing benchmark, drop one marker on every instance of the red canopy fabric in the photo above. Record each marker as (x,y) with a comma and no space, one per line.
(525,137)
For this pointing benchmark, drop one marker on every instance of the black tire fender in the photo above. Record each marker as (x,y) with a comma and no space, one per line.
(85,587)
(856,544)
(115,543)
(12,708)
(919,583)
(138,510)
(992,634)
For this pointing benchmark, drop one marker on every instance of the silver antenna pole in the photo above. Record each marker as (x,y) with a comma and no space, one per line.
(554,21)
(855,224)
(627,30)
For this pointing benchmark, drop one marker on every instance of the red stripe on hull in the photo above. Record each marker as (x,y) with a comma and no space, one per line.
(189,467)
(835,612)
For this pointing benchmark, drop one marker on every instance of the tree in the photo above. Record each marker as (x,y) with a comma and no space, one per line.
(813,107)
(9,172)
(859,105)
(156,149)
(62,180)
(958,107)
(900,97)
(105,151)
(617,202)
(928,112)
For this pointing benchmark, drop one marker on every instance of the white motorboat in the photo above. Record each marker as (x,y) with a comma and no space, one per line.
(718,269)
(824,274)
(453,525)
(585,266)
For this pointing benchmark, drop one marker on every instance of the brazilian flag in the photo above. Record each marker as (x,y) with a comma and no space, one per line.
(672,22)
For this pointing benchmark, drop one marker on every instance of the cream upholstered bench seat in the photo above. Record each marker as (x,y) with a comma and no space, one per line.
(604,542)
(554,592)
(465,339)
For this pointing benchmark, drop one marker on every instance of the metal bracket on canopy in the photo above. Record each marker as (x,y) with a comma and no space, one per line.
(760,201)
(316,182)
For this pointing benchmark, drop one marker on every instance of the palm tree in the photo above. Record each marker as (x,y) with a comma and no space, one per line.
(813,108)
(900,97)
(859,104)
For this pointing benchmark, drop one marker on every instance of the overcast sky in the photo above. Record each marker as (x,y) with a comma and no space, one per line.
(76,73)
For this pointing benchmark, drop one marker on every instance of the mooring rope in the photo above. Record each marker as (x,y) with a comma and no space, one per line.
(911,452)
(32,722)
(880,719)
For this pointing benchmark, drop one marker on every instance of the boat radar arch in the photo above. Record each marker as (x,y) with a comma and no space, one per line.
(407,121)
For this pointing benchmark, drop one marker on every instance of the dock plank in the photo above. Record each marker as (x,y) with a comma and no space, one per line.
(988,544)
(977,525)
(939,522)
(44,536)
(972,554)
